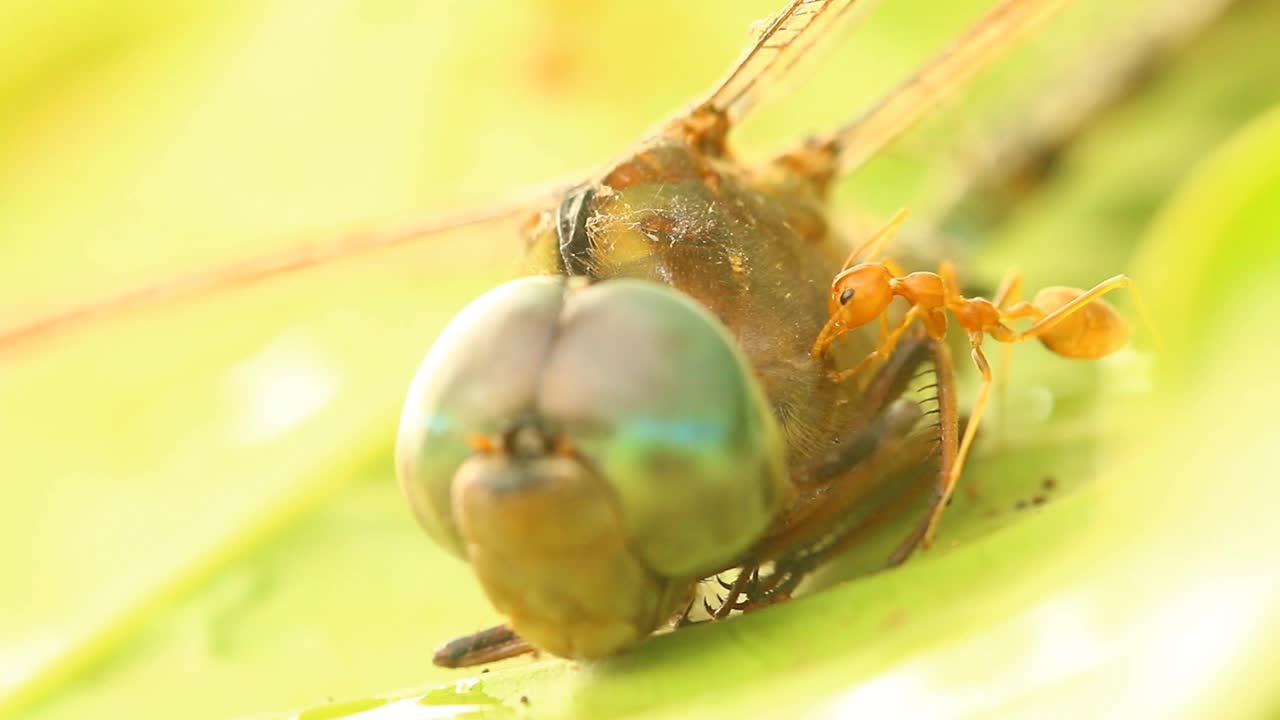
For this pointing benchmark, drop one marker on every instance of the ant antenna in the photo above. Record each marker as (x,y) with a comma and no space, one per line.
(874,244)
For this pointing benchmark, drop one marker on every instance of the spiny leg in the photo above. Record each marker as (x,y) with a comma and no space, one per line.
(945,449)
(828,533)
(966,442)
(948,429)
(746,576)
(683,619)
(839,539)
(835,481)
(757,591)
(813,538)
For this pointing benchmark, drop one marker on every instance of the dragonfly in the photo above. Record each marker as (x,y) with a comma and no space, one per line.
(709,128)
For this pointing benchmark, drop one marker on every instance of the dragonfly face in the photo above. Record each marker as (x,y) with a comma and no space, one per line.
(591,451)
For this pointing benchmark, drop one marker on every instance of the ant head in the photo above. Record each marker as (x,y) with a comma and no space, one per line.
(861,294)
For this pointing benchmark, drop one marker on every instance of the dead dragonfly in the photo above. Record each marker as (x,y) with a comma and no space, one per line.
(716,240)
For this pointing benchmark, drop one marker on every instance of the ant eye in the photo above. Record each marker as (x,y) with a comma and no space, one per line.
(846,296)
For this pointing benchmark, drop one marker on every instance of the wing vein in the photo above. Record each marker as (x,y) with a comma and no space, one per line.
(791,34)
(997,32)
(246,272)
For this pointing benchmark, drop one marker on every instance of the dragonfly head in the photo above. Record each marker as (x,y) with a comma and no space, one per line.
(591,450)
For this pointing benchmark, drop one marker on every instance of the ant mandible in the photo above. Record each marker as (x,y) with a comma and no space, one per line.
(1071,322)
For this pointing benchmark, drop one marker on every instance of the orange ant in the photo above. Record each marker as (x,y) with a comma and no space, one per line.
(1070,322)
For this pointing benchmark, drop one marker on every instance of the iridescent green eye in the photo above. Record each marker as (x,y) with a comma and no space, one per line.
(655,391)
(591,450)
(647,386)
(481,373)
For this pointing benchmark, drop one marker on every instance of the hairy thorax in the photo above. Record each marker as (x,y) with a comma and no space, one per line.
(753,247)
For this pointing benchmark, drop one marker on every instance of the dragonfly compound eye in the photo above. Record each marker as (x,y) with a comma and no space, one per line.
(632,453)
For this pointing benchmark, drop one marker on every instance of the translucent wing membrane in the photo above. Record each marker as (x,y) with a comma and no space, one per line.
(1116,66)
(998,31)
(785,39)
(789,36)
(249,271)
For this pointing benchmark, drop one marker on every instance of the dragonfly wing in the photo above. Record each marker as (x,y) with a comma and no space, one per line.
(995,33)
(780,43)
(252,270)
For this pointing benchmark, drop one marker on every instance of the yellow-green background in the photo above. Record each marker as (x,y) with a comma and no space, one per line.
(183,533)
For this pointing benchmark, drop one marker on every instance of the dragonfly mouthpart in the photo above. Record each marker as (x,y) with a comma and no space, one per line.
(526,440)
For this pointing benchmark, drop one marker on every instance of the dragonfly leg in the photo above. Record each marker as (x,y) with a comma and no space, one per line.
(746,576)
(885,441)
(496,643)
(952,473)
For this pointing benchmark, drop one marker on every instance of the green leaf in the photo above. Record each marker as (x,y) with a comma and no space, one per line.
(200,518)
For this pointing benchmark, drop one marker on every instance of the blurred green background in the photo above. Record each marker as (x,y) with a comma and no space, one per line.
(198,514)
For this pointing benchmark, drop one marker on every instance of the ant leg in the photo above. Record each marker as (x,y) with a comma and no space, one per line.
(896,270)
(1009,302)
(1010,290)
(1050,321)
(893,267)
(1009,293)
(885,349)
(1021,310)
(966,442)
(1002,403)
(496,643)
(950,283)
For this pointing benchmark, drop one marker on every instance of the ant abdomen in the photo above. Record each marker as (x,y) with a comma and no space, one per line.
(1093,331)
